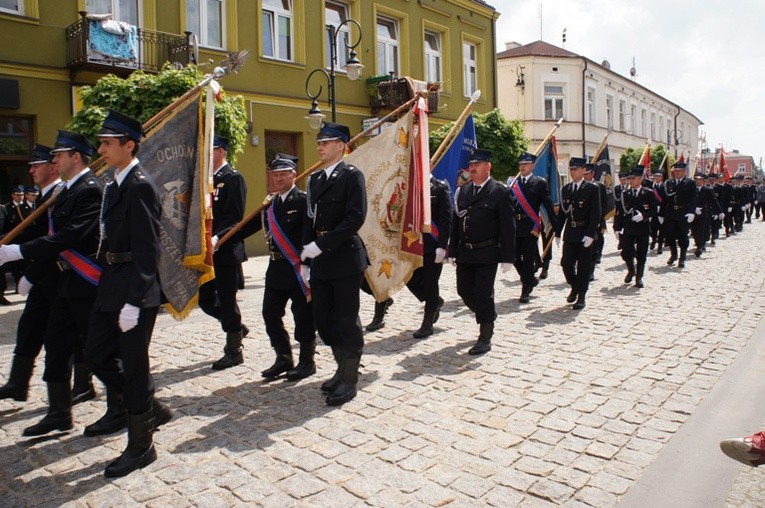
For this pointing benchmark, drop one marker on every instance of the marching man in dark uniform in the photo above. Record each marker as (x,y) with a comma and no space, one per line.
(17,210)
(657,221)
(128,298)
(483,236)
(283,223)
(530,193)
(624,184)
(600,240)
(706,207)
(680,212)
(71,243)
(424,281)
(337,207)
(580,215)
(638,205)
(724,194)
(217,298)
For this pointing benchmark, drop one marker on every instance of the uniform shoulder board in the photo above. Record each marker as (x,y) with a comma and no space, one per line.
(139,175)
(351,167)
(503,184)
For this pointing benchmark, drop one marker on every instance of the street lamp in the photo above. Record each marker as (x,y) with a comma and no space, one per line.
(352,68)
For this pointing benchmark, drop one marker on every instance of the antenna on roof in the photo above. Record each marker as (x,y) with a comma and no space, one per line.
(563,37)
(540,21)
(633,70)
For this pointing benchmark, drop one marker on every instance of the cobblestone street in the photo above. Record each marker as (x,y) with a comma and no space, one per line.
(569,408)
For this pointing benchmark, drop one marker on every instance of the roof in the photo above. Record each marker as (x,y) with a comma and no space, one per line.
(542,48)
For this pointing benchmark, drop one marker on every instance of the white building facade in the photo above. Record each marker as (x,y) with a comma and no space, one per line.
(540,83)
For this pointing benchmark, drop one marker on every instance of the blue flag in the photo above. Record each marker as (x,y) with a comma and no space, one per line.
(603,174)
(546,166)
(456,158)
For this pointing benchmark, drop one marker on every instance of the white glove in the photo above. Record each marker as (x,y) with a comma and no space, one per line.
(452,261)
(305,274)
(214,240)
(756,202)
(698,211)
(722,216)
(440,255)
(689,217)
(587,241)
(730,208)
(743,208)
(310,251)
(506,267)
(10,253)
(638,217)
(128,317)
(24,286)
(557,241)
(661,219)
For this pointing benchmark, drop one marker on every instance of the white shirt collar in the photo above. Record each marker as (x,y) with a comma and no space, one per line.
(30,204)
(119,176)
(284,196)
(329,169)
(76,177)
(225,163)
(50,186)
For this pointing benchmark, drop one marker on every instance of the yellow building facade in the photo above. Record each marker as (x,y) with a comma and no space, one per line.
(43,64)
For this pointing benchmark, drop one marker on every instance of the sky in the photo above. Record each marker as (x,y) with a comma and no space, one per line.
(708,57)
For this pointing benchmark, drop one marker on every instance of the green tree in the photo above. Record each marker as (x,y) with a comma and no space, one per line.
(143,95)
(493,132)
(631,158)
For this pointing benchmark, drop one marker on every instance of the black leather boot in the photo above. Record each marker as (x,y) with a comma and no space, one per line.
(571,298)
(115,418)
(580,302)
(426,328)
(282,364)
(378,321)
(437,312)
(232,353)
(330,385)
(630,273)
(483,345)
(162,413)
(82,387)
(59,415)
(681,261)
(17,387)
(346,388)
(306,365)
(639,275)
(140,450)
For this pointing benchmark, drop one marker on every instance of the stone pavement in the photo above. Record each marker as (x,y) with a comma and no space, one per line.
(569,408)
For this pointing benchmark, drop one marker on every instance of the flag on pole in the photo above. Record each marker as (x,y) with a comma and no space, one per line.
(645,160)
(546,166)
(604,175)
(453,165)
(724,165)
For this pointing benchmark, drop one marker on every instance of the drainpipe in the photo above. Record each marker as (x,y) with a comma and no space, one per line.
(494,52)
(584,105)
(675,133)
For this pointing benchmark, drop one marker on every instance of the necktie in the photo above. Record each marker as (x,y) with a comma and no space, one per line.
(523,180)
(476,190)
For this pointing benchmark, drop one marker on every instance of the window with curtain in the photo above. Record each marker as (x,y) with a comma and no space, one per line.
(554,96)
(470,68)
(12,6)
(335,13)
(388,44)
(277,30)
(433,57)
(121,10)
(206,19)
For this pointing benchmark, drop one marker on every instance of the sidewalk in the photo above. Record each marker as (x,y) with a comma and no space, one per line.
(569,408)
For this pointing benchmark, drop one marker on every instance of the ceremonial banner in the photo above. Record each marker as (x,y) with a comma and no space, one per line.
(453,165)
(724,166)
(170,153)
(546,166)
(604,175)
(645,161)
(393,244)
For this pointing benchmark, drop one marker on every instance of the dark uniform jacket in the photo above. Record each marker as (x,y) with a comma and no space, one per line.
(131,215)
(579,212)
(15,214)
(75,224)
(644,202)
(339,207)
(722,193)
(707,201)
(537,194)
(681,198)
(229,196)
(44,274)
(483,227)
(441,210)
(603,193)
(291,216)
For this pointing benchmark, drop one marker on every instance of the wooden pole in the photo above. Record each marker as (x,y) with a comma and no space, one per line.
(549,135)
(601,147)
(446,143)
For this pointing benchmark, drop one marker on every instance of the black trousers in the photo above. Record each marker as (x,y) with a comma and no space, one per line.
(738,217)
(274,307)
(576,260)
(546,240)
(217,298)
(424,282)
(335,304)
(657,231)
(635,248)
(121,359)
(30,335)
(67,328)
(526,255)
(475,285)
(676,233)
(700,229)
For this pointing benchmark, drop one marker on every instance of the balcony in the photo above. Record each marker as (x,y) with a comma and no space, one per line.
(386,94)
(90,48)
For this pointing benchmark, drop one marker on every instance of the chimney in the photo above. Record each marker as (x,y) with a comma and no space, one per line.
(512,45)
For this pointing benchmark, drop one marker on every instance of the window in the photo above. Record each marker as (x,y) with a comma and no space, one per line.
(121,10)
(653,125)
(643,116)
(554,96)
(277,29)
(205,19)
(590,105)
(12,6)
(661,126)
(16,135)
(335,14)
(433,56)
(387,46)
(470,68)
(609,111)
(669,131)
(622,112)
(742,168)
(633,119)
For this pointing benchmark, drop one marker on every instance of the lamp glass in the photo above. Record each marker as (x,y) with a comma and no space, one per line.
(315,120)
(353,70)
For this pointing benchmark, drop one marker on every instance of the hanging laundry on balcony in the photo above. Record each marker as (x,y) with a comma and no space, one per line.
(110,40)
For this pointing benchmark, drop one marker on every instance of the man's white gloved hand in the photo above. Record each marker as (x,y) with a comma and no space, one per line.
(506,267)
(689,217)
(661,219)
(128,317)
(638,217)
(452,261)
(587,241)
(24,286)
(9,253)
(730,209)
(722,216)
(440,255)
(310,251)
(698,211)
(743,208)
(305,274)
(214,240)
